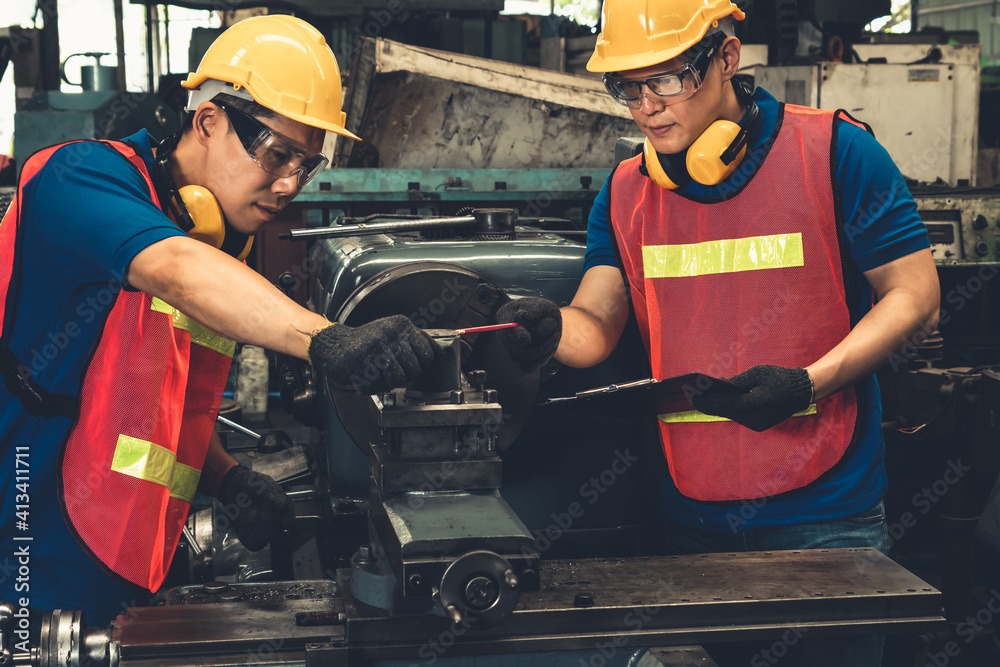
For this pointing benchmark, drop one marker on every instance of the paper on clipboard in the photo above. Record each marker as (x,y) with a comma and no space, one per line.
(647,397)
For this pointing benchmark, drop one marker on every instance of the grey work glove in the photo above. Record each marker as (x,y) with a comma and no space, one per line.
(373,357)
(258,506)
(773,394)
(532,343)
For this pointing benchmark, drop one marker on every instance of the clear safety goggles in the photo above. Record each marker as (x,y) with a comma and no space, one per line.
(674,87)
(272,151)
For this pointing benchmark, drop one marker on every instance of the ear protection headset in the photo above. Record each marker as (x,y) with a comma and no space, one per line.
(712,157)
(195,209)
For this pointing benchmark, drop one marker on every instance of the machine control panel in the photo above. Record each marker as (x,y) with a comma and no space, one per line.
(963,228)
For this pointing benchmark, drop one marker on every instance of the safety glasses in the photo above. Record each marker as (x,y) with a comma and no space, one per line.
(674,87)
(272,151)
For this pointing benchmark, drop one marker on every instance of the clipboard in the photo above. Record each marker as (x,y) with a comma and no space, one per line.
(644,398)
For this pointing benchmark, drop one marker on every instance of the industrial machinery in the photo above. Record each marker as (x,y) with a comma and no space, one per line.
(407,547)
(98,111)
(451,518)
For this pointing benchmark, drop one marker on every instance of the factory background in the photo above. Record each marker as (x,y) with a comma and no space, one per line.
(470,107)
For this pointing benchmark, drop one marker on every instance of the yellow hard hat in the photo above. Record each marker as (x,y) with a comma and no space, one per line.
(284,64)
(640,33)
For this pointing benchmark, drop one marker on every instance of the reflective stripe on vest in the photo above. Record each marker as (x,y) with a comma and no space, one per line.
(131,461)
(153,463)
(724,285)
(725,256)
(199,334)
(694,416)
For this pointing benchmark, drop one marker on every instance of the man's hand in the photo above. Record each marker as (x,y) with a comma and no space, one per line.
(373,357)
(773,394)
(532,343)
(262,508)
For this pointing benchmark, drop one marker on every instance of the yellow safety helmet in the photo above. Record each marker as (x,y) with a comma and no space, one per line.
(640,33)
(284,64)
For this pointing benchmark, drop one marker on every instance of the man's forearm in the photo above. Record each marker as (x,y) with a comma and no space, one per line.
(586,340)
(906,312)
(224,295)
(593,322)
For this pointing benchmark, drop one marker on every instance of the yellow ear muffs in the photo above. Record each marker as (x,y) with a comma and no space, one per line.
(667,171)
(206,215)
(654,169)
(705,160)
(709,160)
(209,223)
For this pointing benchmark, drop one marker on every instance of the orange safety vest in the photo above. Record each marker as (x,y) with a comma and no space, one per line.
(131,461)
(723,285)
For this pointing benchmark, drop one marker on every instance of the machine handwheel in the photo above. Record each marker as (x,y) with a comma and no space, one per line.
(481,586)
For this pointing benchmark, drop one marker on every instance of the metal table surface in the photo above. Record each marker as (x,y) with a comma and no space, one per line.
(636,602)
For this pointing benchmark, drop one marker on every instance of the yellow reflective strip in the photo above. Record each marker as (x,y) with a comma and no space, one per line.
(161,306)
(696,417)
(185,482)
(144,460)
(199,334)
(725,256)
(153,463)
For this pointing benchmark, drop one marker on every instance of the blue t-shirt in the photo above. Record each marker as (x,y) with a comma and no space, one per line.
(87,214)
(881,224)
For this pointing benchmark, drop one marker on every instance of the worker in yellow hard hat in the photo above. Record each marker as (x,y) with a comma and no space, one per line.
(750,239)
(125,297)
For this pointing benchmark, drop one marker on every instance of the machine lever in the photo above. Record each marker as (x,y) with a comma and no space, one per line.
(242,429)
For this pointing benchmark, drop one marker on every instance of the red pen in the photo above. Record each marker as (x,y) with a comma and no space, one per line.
(489,327)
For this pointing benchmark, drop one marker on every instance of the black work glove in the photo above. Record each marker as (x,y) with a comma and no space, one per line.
(773,394)
(533,343)
(373,357)
(258,506)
